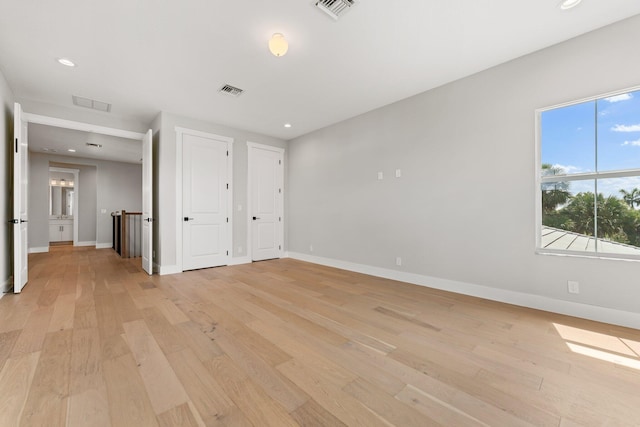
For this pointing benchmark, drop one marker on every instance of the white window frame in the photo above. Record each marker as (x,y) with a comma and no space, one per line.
(574,177)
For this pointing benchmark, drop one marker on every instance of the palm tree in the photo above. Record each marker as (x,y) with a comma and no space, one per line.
(631,198)
(554,194)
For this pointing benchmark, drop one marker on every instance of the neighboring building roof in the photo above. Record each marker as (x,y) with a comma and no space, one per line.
(555,238)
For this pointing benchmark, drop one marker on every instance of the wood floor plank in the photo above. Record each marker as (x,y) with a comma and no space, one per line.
(179,416)
(329,394)
(15,381)
(88,399)
(48,397)
(203,389)
(311,414)
(128,400)
(256,404)
(386,406)
(163,387)
(63,312)
(33,334)
(7,341)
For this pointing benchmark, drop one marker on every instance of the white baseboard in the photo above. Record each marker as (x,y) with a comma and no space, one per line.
(93,243)
(570,308)
(169,269)
(239,260)
(39,250)
(6,286)
(103,245)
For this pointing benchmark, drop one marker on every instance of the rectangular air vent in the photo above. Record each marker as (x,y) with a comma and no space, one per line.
(93,144)
(335,8)
(230,90)
(81,101)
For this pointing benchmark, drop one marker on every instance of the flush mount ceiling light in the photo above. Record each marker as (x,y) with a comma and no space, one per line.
(66,62)
(568,4)
(71,150)
(278,45)
(287,125)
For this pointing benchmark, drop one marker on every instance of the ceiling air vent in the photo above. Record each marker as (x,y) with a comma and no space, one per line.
(91,103)
(230,90)
(335,8)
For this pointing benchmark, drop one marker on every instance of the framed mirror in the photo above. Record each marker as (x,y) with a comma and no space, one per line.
(61,198)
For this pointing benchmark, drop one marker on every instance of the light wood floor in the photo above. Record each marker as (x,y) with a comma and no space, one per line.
(93,341)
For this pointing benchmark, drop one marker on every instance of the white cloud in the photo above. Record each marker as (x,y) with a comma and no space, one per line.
(625,128)
(618,98)
(569,168)
(635,143)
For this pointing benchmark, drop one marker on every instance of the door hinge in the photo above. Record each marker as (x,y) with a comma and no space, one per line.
(279,162)
(227,219)
(227,186)
(279,247)
(280,190)
(279,218)
(227,252)
(16,145)
(227,153)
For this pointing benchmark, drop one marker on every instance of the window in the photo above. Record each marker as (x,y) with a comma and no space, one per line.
(589,177)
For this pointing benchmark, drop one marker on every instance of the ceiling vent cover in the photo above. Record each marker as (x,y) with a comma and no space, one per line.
(230,90)
(91,103)
(335,8)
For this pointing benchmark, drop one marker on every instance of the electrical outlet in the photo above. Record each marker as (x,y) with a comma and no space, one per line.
(380,175)
(573,287)
(398,173)
(398,261)
(310,248)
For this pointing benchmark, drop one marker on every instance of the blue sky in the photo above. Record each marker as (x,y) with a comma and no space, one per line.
(569,139)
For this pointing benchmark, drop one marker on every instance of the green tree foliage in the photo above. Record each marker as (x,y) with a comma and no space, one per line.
(554,194)
(631,198)
(618,220)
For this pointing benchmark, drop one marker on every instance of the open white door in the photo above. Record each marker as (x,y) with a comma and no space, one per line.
(147,202)
(20,217)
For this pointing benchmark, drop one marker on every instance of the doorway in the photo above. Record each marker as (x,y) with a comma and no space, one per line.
(266,201)
(205,222)
(63,206)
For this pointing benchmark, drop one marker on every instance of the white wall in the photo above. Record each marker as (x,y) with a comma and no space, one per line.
(112,186)
(6,159)
(168,206)
(464,207)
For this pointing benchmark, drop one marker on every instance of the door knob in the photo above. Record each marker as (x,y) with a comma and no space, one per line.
(186,218)
(255,217)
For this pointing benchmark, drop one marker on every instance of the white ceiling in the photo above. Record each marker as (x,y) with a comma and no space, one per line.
(147,56)
(58,141)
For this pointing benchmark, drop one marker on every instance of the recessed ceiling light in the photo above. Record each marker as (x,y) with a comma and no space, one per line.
(287,125)
(67,62)
(568,4)
(71,150)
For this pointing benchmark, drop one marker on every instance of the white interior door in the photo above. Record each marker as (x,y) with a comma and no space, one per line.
(20,212)
(266,201)
(205,216)
(147,202)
